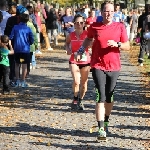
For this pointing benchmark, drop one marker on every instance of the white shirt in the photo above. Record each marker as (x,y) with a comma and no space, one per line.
(86,11)
(6,15)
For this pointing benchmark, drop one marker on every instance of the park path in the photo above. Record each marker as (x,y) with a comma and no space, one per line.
(40,118)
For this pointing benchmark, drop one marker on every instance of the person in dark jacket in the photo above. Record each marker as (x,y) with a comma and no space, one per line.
(52,25)
(141,30)
(11,22)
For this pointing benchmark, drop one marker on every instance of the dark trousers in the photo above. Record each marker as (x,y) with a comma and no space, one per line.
(143,49)
(12,67)
(5,73)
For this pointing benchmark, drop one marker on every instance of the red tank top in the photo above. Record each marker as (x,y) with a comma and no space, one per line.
(75,45)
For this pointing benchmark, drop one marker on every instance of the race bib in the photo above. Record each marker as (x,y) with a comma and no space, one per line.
(39,14)
(84,57)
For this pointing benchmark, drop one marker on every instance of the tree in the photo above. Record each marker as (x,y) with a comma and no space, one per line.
(66,2)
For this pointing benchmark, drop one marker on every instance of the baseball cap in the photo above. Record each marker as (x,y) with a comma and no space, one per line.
(22,10)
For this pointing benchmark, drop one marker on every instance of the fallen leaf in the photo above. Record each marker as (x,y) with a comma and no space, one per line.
(48,144)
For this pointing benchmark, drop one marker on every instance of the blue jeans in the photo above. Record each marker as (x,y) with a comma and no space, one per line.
(60,31)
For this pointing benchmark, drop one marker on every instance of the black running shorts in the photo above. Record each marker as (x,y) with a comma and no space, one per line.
(22,58)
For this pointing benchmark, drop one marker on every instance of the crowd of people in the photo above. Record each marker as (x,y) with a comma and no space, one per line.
(23,29)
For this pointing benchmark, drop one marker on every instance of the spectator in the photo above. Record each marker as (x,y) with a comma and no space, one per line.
(141,30)
(33,47)
(11,22)
(5,14)
(32,16)
(82,12)
(117,14)
(67,21)
(42,14)
(60,14)
(97,12)
(4,62)
(133,25)
(21,47)
(12,9)
(87,9)
(91,18)
(52,25)
(126,22)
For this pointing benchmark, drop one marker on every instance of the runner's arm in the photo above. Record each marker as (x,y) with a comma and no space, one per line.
(124,45)
(11,48)
(86,43)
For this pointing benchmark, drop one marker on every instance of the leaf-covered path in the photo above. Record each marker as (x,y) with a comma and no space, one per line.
(39,117)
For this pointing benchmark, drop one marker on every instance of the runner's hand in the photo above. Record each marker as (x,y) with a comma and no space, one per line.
(112,43)
(69,52)
(77,57)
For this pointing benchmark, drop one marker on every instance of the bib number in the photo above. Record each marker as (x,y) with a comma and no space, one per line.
(84,57)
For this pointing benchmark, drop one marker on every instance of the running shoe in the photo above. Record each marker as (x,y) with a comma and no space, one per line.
(38,52)
(141,64)
(24,84)
(17,83)
(106,126)
(80,105)
(147,54)
(12,83)
(50,49)
(101,134)
(74,104)
(56,43)
(6,92)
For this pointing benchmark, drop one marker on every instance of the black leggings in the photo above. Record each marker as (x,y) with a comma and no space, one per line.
(105,82)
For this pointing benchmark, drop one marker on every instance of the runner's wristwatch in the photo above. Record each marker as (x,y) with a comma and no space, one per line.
(119,44)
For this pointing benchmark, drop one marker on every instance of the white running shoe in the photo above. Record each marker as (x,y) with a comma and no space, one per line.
(38,52)
(56,43)
(141,64)
(50,49)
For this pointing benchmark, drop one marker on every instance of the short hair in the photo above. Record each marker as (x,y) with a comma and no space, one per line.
(104,4)
(29,7)
(117,4)
(77,16)
(4,39)
(24,18)
(12,4)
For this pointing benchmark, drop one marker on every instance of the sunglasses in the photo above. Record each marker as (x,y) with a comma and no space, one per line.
(78,22)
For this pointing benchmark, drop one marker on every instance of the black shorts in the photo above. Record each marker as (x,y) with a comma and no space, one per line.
(105,82)
(22,58)
(80,65)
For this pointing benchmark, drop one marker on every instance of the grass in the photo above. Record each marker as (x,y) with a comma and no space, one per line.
(147,65)
(145,70)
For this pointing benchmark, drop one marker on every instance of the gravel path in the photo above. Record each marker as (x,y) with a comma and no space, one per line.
(40,118)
